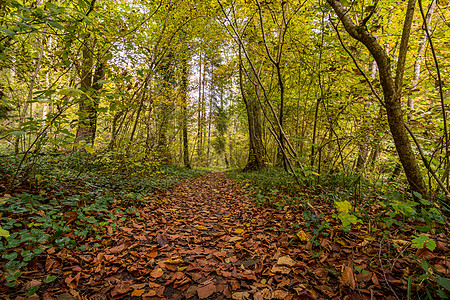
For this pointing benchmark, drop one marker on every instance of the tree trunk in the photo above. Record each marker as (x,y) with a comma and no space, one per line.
(391,88)
(87,112)
(199,116)
(256,159)
(184,104)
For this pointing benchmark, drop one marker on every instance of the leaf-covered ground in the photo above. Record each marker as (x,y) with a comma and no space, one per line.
(206,239)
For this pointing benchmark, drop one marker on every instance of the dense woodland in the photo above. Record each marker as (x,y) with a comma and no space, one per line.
(334,111)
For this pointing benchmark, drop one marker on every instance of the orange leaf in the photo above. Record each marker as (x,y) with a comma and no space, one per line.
(138,293)
(157,273)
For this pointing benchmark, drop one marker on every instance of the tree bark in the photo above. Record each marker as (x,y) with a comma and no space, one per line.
(87,112)
(184,104)
(256,160)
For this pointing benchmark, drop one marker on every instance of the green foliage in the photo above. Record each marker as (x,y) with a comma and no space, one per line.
(423,241)
(78,185)
(268,180)
(347,218)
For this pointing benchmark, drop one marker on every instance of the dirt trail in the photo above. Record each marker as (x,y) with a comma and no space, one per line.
(203,239)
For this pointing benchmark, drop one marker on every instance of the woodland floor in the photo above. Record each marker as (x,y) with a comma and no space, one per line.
(205,239)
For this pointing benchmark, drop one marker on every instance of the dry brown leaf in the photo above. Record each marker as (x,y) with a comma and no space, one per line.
(158,272)
(161,239)
(280,269)
(286,261)
(347,277)
(206,291)
(280,294)
(150,293)
(241,296)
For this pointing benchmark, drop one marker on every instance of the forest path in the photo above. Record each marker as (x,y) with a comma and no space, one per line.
(214,243)
(202,239)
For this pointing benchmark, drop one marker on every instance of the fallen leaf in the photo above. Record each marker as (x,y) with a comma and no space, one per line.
(235,239)
(238,230)
(157,273)
(174,261)
(303,236)
(162,240)
(138,293)
(206,291)
(347,277)
(241,296)
(280,294)
(286,261)
(118,249)
(280,269)
(150,293)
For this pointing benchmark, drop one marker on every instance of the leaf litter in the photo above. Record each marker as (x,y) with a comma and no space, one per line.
(205,239)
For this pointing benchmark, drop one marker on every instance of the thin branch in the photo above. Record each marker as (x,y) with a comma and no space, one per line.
(427,164)
(372,88)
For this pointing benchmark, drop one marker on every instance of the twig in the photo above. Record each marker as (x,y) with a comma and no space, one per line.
(384,273)
(427,164)
(372,88)
(401,252)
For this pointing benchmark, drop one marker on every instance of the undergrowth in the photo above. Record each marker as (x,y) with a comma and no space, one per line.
(61,201)
(354,206)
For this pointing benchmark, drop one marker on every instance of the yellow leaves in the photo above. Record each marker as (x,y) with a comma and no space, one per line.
(340,241)
(89,149)
(4,232)
(173,209)
(3,200)
(239,231)
(174,261)
(343,206)
(303,236)
(201,227)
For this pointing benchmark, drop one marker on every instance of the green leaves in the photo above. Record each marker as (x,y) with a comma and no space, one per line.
(10,256)
(345,207)
(423,241)
(7,32)
(70,92)
(443,282)
(348,219)
(49,278)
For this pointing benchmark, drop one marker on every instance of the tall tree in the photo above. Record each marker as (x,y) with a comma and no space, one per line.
(91,85)
(392,87)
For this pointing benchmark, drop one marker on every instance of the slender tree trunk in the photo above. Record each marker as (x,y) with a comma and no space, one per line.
(184,105)
(199,113)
